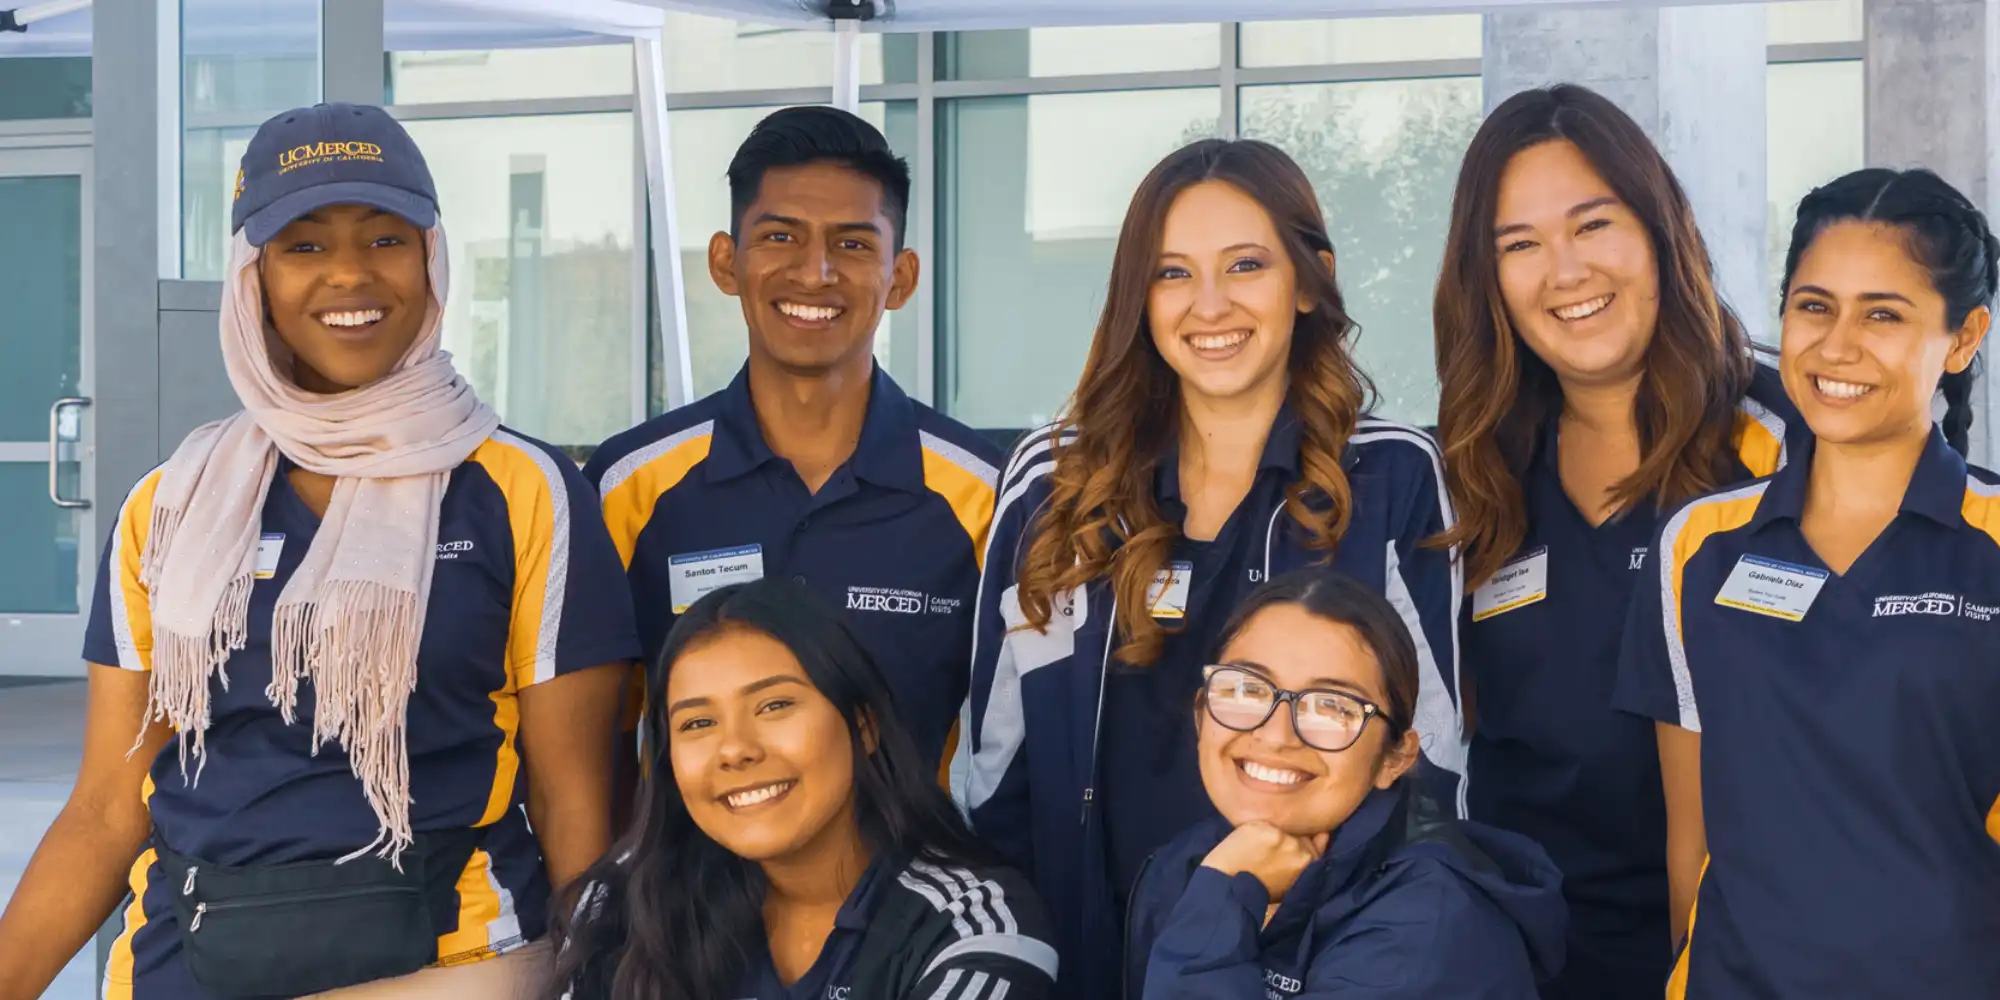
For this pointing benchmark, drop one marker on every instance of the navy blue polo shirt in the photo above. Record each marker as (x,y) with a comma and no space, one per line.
(830,977)
(526,588)
(1149,776)
(695,499)
(1550,758)
(1850,763)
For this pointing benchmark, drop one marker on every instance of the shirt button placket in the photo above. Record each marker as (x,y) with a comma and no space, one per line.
(800,529)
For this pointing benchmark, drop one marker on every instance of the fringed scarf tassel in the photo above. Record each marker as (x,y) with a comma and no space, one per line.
(357,643)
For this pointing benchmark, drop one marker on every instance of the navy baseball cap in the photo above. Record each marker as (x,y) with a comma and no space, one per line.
(330,154)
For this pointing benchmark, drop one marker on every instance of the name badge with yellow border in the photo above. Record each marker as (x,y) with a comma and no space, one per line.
(1769,587)
(694,574)
(270,549)
(1168,597)
(1522,581)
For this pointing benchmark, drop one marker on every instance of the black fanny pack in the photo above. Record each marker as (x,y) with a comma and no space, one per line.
(296,929)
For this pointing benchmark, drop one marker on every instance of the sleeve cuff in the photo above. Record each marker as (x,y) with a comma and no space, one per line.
(596,655)
(1241,889)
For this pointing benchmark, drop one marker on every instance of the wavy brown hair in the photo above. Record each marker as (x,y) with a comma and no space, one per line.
(1497,395)
(1101,518)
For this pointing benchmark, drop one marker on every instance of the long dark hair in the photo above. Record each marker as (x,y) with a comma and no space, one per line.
(1496,394)
(1331,595)
(669,914)
(1127,404)
(1948,236)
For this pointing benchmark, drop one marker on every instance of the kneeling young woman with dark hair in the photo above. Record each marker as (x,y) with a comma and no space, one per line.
(790,843)
(1329,872)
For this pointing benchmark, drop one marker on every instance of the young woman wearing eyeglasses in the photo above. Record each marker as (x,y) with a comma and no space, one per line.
(1329,874)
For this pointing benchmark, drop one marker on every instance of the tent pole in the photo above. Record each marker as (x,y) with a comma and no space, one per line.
(847,65)
(19,18)
(649,54)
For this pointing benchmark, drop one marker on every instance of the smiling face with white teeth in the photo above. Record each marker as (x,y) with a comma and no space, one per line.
(815,263)
(347,289)
(764,762)
(1866,338)
(1577,267)
(1225,298)
(1269,775)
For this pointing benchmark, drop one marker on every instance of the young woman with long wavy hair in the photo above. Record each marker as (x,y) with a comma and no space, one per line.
(1590,376)
(791,841)
(1219,435)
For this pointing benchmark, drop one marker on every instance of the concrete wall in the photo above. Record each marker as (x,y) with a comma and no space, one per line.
(125,248)
(194,389)
(1930,99)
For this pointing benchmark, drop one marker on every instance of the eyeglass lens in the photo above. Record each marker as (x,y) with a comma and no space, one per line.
(1326,720)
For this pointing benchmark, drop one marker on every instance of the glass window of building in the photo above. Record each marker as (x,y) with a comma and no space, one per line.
(541,212)
(50,87)
(713,53)
(1360,40)
(1803,22)
(45,71)
(449,76)
(1032,52)
(243,61)
(1813,116)
(1034,191)
(704,142)
(41,359)
(1383,157)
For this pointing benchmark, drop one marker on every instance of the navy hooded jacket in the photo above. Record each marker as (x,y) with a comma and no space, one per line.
(1028,772)
(1404,905)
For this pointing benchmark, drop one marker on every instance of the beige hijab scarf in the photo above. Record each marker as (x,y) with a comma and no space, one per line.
(350,619)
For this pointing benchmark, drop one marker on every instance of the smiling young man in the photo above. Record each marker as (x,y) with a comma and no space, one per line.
(812,463)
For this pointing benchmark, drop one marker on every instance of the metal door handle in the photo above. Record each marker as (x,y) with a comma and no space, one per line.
(55,452)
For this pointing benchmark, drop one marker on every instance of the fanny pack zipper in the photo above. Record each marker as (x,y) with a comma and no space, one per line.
(272,899)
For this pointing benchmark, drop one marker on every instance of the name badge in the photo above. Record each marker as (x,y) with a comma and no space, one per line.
(1169,595)
(1769,587)
(270,548)
(1522,581)
(695,574)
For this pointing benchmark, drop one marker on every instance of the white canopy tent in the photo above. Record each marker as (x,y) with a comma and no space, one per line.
(971,15)
(62,27)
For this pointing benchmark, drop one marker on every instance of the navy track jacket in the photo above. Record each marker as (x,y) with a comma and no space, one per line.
(1404,905)
(1027,770)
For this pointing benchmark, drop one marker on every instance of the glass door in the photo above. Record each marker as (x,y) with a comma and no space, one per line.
(48,526)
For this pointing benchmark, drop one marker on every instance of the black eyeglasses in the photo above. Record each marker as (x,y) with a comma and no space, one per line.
(1325,720)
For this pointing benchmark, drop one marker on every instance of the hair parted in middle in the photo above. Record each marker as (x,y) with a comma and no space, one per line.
(1496,395)
(1101,517)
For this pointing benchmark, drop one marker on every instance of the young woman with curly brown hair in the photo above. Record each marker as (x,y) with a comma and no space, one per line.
(1219,435)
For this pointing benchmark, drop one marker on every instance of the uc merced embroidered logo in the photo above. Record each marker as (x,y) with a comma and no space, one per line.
(899,602)
(1891,606)
(1278,986)
(327,152)
(239,186)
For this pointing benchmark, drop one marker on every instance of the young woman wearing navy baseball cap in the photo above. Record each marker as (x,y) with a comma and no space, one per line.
(370,642)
